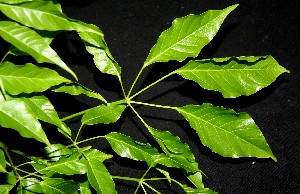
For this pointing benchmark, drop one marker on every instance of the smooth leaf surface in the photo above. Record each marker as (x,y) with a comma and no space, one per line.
(5,188)
(103,59)
(31,185)
(77,89)
(187,36)
(103,114)
(70,165)
(59,186)
(28,78)
(226,132)
(2,162)
(45,111)
(14,1)
(98,175)
(55,151)
(233,77)
(45,15)
(85,188)
(15,114)
(126,147)
(31,42)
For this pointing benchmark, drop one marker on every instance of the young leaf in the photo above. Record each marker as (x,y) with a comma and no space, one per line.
(187,36)
(59,186)
(238,76)
(126,147)
(29,41)
(55,151)
(98,176)
(45,15)
(45,111)
(77,89)
(70,165)
(103,114)
(5,188)
(28,78)
(15,114)
(2,162)
(226,132)
(103,59)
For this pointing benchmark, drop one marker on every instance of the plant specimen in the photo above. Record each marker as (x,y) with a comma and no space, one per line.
(30,28)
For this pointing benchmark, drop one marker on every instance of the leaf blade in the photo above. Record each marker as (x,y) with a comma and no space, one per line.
(236,77)
(187,36)
(59,186)
(2,162)
(226,132)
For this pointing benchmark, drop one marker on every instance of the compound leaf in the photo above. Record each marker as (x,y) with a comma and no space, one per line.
(233,77)
(15,114)
(126,147)
(226,132)
(103,59)
(187,36)
(59,186)
(28,78)
(103,114)
(45,15)
(31,42)
(98,175)
(77,89)
(2,162)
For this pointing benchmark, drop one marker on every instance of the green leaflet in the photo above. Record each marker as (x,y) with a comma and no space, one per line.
(45,15)
(55,151)
(45,111)
(29,41)
(28,78)
(103,59)
(98,176)
(126,147)
(85,188)
(77,89)
(226,132)
(2,162)
(14,1)
(31,185)
(187,36)
(70,165)
(59,186)
(5,188)
(103,114)
(233,77)
(15,114)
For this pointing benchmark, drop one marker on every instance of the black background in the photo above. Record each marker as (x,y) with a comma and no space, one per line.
(131,28)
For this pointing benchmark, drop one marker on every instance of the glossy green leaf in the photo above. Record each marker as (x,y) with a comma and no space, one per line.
(126,147)
(70,165)
(4,189)
(15,114)
(226,132)
(11,180)
(59,186)
(55,151)
(103,114)
(45,111)
(31,185)
(189,190)
(98,175)
(172,144)
(45,15)
(14,1)
(77,89)
(31,42)
(2,162)
(233,77)
(28,78)
(187,36)
(85,188)
(103,59)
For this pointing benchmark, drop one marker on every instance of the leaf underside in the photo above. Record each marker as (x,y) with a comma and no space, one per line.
(226,132)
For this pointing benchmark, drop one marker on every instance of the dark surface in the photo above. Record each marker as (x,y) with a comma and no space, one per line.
(256,27)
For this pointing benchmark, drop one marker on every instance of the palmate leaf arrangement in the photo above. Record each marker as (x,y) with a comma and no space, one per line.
(31,26)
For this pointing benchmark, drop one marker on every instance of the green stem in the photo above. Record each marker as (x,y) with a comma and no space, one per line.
(137,114)
(77,135)
(134,82)
(126,178)
(156,191)
(153,105)
(141,181)
(75,115)
(89,139)
(3,58)
(11,163)
(149,86)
